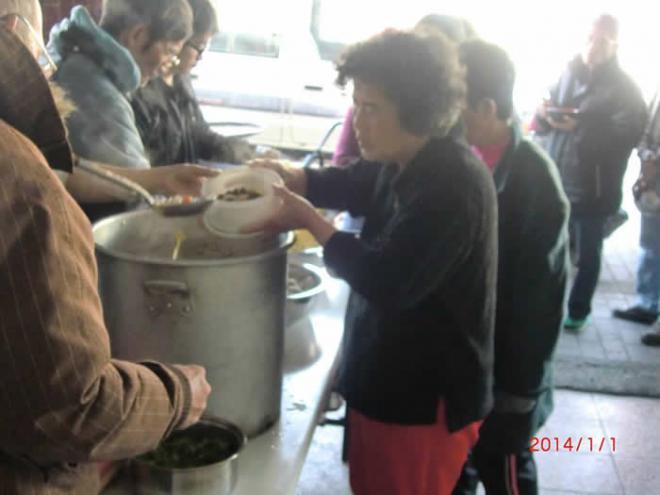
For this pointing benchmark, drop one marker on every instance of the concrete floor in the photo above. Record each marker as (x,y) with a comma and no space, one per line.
(633,468)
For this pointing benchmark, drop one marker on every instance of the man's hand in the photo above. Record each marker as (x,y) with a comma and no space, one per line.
(180,179)
(294,178)
(566,124)
(200,389)
(268,153)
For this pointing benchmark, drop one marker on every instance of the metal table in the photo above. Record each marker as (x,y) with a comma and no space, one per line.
(236,129)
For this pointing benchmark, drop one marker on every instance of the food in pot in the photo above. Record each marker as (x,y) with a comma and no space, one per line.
(239,194)
(179,237)
(208,249)
(182,450)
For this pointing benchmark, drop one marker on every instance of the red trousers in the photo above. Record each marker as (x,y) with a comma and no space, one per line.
(392,459)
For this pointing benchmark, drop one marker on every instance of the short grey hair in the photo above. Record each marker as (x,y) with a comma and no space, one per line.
(167,20)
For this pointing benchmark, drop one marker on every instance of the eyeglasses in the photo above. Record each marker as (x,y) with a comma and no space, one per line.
(43,58)
(199,49)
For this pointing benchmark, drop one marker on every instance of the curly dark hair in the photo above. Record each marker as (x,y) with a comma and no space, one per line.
(419,73)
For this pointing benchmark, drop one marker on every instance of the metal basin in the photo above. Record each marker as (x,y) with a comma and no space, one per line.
(304,281)
(218,478)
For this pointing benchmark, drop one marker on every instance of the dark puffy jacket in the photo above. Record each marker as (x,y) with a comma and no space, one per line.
(531,279)
(592,159)
(173,128)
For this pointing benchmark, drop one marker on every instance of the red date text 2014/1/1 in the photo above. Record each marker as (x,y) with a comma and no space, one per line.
(572,444)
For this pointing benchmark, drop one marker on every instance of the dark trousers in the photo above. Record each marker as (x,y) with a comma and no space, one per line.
(587,239)
(501,474)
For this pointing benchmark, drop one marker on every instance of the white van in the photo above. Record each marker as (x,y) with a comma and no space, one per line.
(274,79)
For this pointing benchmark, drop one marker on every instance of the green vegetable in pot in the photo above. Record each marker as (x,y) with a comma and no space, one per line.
(187,451)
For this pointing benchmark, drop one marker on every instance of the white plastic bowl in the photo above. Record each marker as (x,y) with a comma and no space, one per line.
(230,217)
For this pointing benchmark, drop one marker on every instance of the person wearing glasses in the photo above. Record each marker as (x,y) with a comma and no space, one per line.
(84,187)
(167,112)
(66,402)
(100,66)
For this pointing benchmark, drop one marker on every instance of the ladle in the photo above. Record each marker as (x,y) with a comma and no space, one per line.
(162,206)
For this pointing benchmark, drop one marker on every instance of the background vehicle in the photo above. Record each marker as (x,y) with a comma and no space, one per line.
(272,63)
(272,76)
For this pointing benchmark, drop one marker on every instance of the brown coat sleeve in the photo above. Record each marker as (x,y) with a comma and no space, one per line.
(69,401)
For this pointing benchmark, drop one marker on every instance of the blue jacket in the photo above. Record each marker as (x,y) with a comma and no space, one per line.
(99,74)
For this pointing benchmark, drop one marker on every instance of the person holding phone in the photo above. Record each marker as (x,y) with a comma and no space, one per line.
(590,141)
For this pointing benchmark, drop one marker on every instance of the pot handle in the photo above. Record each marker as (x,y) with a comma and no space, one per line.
(166,287)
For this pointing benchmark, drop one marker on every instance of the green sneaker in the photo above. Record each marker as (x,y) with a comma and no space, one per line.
(575,324)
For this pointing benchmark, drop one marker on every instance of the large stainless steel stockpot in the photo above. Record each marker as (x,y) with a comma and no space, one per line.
(219,304)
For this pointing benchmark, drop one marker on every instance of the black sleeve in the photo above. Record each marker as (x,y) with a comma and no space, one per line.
(344,188)
(213,146)
(615,124)
(59,156)
(209,145)
(539,281)
(418,250)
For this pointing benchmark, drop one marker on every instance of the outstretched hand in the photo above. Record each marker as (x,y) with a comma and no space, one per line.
(566,123)
(294,212)
(180,179)
(294,178)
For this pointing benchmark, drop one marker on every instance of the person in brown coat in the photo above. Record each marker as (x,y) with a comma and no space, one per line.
(66,402)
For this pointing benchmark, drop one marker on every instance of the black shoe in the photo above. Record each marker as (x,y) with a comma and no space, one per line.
(652,339)
(636,314)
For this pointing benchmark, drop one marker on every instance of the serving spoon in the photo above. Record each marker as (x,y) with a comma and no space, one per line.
(165,207)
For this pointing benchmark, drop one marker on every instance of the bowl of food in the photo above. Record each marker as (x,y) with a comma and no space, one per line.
(202,459)
(242,196)
(304,281)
